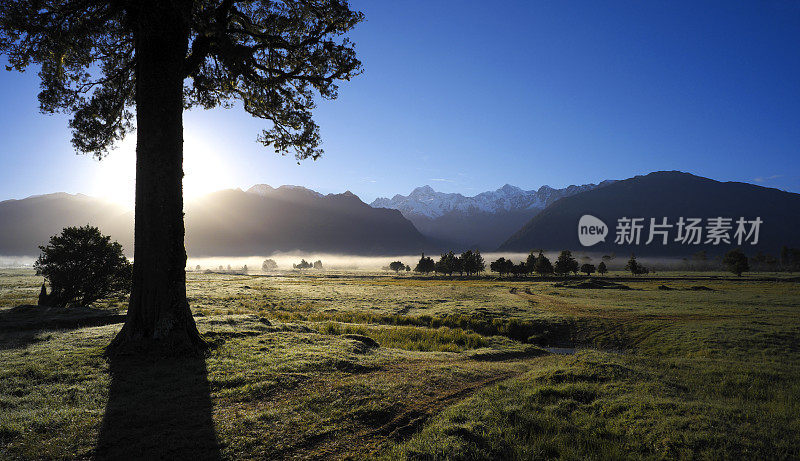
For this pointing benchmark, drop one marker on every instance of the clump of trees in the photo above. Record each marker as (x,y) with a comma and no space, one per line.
(635,268)
(82,266)
(588,269)
(736,262)
(470,263)
(303,264)
(269,265)
(502,266)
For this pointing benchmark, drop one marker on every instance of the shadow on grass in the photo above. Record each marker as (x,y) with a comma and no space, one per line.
(158,409)
(21,325)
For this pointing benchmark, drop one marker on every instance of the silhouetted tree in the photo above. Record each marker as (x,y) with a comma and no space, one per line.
(588,269)
(100,59)
(601,268)
(197,267)
(83,266)
(542,265)
(425,265)
(269,265)
(396,266)
(318,264)
(408,268)
(736,262)
(448,263)
(565,263)
(479,264)
(530,262)
(472,262)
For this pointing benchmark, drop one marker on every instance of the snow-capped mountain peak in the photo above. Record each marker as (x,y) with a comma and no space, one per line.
(425,201)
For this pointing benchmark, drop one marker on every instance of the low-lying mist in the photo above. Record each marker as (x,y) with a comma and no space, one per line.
(329,261)
(371,263)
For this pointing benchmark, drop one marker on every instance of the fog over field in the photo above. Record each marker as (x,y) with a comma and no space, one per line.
(373,263)
(329,261)
(367,263)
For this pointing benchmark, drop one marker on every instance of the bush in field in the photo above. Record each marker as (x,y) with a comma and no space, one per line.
(588,269)
(397,266)
(269,265)
(83,266)
(736,262)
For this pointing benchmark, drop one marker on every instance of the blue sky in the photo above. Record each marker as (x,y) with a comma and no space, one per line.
(467,96)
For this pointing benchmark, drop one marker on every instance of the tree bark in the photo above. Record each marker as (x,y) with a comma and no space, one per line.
(158,313)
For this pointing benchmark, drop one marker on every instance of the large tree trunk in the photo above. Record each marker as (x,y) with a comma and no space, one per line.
(158,313)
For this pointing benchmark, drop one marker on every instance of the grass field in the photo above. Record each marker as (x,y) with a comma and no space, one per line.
(357,365)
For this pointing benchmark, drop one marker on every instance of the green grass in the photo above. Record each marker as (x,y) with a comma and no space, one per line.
(293,372)
(442,339)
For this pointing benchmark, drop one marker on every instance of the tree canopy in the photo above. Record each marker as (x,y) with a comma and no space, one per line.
(271,56)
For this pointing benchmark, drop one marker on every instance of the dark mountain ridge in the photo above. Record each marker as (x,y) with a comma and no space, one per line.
(670,194)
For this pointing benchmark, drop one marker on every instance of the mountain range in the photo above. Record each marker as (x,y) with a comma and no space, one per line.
(666,197)
(483,221)
(265,220)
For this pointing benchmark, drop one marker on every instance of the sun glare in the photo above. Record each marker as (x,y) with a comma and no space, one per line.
(204,171)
